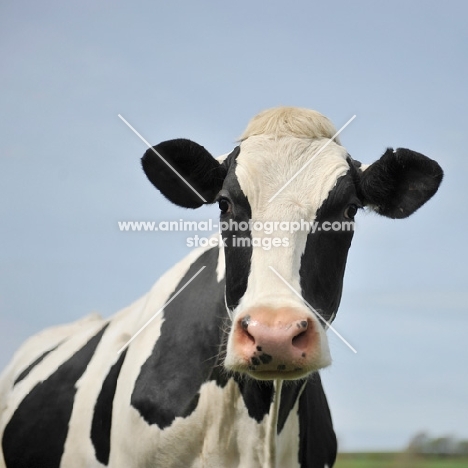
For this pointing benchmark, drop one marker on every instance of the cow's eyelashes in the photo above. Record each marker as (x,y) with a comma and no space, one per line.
(224,205)
(351,211)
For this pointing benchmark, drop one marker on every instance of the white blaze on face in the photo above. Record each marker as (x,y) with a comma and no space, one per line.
(264,166)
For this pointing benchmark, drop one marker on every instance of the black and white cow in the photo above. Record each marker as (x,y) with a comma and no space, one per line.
(226,375)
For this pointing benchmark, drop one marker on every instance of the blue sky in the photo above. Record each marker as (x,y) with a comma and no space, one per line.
(69,171)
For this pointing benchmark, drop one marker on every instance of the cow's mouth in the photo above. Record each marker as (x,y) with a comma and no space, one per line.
(290,371)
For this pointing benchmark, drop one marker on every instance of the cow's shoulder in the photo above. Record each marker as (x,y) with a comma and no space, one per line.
(188,347)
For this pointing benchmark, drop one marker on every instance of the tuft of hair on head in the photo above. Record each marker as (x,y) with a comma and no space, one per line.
(290,121)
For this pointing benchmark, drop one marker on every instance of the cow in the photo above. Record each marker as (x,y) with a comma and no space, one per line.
(218,364)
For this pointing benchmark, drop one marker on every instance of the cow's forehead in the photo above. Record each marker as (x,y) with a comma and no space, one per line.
(297,173)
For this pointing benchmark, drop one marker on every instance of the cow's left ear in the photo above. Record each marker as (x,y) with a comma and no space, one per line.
(400,182)
(184,172)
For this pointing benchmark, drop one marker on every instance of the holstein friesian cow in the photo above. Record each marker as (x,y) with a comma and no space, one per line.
(226,375)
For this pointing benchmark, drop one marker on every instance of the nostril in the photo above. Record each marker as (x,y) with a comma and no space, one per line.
(301,340)
(249,336)
(243,332)
(245,322)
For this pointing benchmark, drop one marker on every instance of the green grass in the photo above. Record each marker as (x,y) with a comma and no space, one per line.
(397,460)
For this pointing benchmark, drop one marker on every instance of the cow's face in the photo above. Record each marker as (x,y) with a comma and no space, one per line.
(287,197)
(279,269)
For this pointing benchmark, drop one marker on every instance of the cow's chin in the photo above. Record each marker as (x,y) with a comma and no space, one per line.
(284,372)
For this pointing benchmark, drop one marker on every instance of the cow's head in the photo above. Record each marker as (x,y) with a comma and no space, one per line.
(284,282)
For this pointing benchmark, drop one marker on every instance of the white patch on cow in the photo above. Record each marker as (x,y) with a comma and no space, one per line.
(208,438)
(276,144)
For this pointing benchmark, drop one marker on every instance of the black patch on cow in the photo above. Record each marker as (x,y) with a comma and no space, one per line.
(323,262)
(255,361)
(257,395)
(289,393)
(238,250)
(318,443)
(33,364)
(219,374)
(186,351)
(102,416)
(35,435)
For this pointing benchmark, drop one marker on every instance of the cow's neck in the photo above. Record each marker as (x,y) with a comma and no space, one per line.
(266,426)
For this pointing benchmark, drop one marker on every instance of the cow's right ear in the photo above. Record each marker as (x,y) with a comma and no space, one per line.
(184,172)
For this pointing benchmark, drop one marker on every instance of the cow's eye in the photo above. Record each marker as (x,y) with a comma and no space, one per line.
(351,211)
(224,205)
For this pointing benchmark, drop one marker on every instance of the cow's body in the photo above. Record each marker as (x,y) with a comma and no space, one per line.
(226,375)
(196,415)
